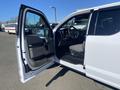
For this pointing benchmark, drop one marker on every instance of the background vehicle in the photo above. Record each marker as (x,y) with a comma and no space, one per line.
(11,28)
(86,41)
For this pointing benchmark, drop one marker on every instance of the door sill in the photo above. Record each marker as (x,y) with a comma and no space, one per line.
(73,59)
(77,67)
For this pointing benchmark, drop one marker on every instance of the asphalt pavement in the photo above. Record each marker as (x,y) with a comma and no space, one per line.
(55,78)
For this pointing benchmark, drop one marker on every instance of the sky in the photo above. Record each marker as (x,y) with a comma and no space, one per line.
(10,8)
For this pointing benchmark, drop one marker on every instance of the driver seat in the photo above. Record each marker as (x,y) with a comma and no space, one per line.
(77,50)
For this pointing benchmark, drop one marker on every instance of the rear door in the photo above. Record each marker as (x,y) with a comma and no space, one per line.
(102,51)
(35,47)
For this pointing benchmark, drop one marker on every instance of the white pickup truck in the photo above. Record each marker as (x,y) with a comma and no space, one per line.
(87,41)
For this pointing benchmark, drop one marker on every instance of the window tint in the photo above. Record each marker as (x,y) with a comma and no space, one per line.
(108,22)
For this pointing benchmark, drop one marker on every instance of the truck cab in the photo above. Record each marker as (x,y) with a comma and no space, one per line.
(87,41)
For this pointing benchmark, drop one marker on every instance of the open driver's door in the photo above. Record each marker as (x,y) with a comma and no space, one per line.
(35,48)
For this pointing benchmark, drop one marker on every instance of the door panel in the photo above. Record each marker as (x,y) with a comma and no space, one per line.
(34,43)
(102,59)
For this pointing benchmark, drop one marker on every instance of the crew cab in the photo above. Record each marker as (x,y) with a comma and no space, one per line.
(87,41)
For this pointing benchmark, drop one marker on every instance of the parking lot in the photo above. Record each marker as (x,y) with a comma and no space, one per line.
(55,78)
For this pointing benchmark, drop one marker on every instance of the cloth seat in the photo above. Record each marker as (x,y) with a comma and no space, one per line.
(77,49)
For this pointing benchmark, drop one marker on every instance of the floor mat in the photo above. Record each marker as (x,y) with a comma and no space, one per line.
(72,59)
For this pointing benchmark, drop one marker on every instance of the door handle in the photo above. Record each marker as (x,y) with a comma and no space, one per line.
(30,45)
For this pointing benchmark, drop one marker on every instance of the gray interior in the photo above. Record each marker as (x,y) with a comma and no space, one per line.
(77,48)
(70,39)
(69,42)
(38,52)
(38,39)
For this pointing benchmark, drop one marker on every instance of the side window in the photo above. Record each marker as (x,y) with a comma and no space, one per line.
(35,25)
(108,22)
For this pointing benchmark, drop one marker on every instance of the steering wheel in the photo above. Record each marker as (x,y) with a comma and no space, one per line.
(73,32)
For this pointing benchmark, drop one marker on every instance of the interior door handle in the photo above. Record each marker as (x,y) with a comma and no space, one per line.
(29,45)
